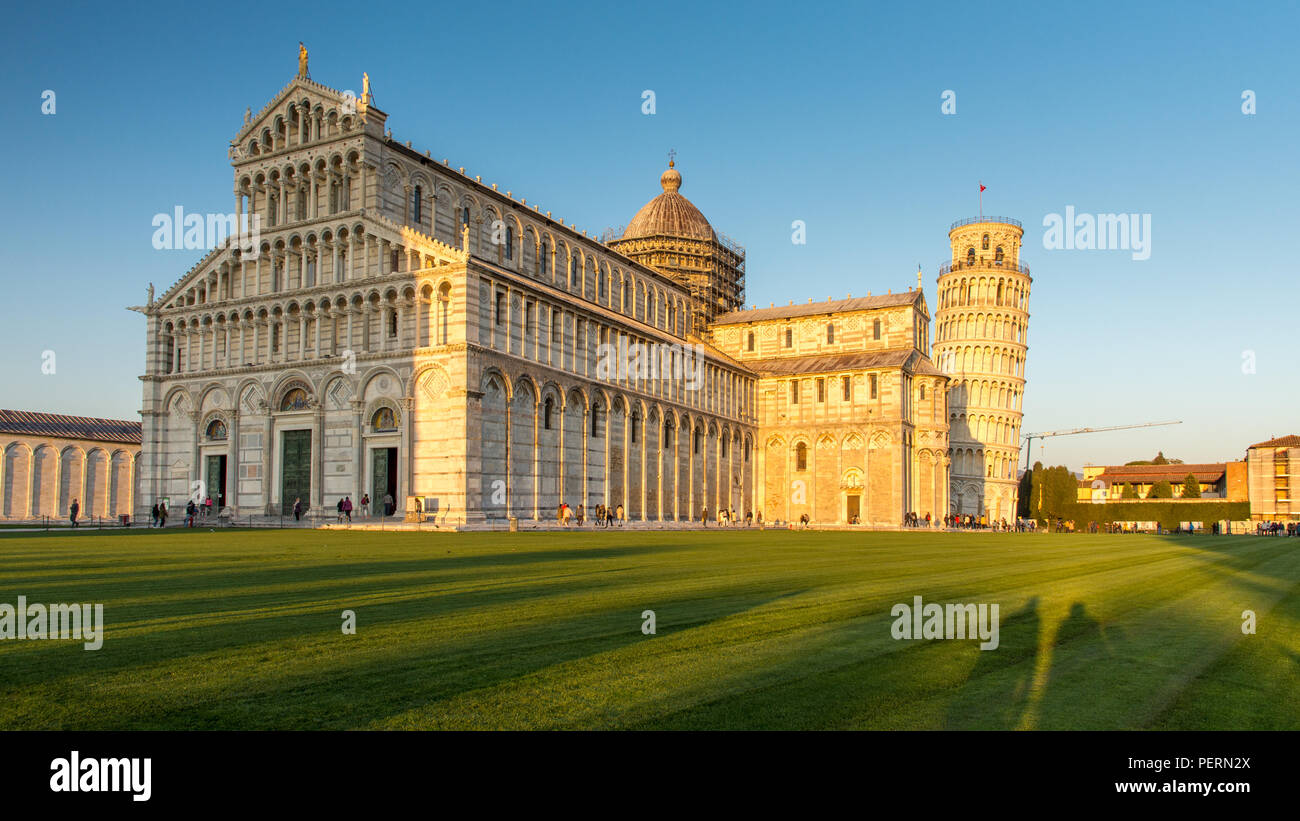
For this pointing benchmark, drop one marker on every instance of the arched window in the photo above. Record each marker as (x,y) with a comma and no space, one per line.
(546,256)
(984,243)
(997,255)
(801,456)
(923,393)
(416,199)
(216,430)
(510,242)
(573,271)
(464,217)
(595,420)
(970,255)
(546,413)
(384,420)
(295,399)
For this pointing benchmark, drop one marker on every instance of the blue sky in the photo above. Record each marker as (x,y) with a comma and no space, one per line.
(828,114)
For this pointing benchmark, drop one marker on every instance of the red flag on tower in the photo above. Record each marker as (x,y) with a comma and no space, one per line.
(982,187)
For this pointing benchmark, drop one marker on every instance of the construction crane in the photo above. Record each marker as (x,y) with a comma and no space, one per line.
(1030,437)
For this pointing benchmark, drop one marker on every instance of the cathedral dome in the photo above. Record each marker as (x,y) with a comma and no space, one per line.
(669,214)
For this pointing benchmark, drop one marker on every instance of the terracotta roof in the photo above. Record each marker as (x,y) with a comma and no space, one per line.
(838,362)
(1292,441)
(859,303)
(1149,474)
(32,423)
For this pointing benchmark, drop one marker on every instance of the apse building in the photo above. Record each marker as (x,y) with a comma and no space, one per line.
(399,327)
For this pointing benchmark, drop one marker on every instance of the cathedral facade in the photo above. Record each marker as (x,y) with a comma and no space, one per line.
(398,328)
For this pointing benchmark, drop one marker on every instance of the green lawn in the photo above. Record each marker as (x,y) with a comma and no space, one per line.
(755,630)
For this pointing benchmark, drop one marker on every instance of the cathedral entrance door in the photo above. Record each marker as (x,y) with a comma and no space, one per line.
(383,478)
(215,477)
(295,470)
(854,508)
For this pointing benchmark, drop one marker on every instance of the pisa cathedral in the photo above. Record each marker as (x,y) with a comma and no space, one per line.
(400,328)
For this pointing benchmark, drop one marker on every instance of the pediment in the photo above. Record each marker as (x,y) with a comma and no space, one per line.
(280,115)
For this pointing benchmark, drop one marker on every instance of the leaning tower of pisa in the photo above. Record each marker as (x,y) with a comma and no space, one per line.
(980,342)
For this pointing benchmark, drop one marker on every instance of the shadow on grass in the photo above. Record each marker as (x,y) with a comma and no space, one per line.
(996,693)
(356,684)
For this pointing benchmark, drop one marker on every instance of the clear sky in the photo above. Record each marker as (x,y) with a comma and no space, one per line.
(778,112)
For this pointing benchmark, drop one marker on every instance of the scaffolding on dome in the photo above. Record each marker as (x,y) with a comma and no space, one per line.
(712,271)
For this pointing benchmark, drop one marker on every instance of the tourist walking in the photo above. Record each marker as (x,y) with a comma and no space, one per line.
(154,514)
(347,508)
(365,505)
(73,511)
(297,510)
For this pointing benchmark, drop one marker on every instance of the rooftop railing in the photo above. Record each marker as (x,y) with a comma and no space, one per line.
(983,265)
(973,220)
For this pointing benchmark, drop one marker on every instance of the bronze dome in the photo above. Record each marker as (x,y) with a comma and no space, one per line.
(669,214)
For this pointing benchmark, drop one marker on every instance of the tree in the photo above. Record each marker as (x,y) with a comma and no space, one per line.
(1160,458)
(1191,487)
(1025,494)
(1054,491)
(1161,490)
(1130,492)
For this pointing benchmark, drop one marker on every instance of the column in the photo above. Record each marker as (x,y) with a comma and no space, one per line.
(268,455)
(232,459)
(359,472)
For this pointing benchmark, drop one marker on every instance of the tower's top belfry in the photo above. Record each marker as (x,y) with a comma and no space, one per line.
(994,241)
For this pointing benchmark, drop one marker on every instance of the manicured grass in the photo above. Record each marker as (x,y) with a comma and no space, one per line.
(755,630)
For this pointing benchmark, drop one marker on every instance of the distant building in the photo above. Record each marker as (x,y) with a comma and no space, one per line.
(51,459)
(1218,480)
(1271,467)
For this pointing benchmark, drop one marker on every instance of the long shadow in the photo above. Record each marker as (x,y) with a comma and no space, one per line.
(355,686)
(996,693)
(880,691)
(106,585)
(1081,646)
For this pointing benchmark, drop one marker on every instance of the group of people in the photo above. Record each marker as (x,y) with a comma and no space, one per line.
(1277,529)
(602,515)
(914,519)
(605,516)
(345,507)
(968,521)
(727,517)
